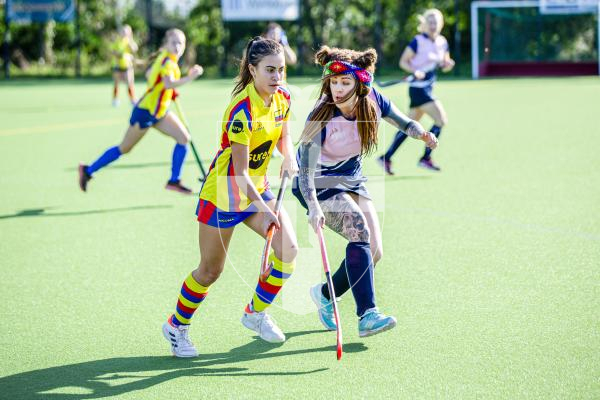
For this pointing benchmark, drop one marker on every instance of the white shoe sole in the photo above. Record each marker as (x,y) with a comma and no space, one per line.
(376,331)
(167,336)
(318,304)
(258,333)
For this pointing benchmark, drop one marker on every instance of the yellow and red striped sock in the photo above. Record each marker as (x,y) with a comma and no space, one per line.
(191,295)
(267,291)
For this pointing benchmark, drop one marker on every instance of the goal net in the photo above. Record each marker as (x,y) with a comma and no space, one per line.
(535,38)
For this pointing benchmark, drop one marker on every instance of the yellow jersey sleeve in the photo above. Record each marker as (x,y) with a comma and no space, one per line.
(238,122)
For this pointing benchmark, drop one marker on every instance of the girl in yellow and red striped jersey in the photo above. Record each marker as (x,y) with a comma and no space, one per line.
(122,51)
(236,190)
(152,110)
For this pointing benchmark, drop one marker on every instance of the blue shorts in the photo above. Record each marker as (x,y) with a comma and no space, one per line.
(419,96)
(209,214)
(119,69)
(142,117)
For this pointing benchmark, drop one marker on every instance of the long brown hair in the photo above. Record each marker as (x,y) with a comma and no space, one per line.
(366,115)
(256,49)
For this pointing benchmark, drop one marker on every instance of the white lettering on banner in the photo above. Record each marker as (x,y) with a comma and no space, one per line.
(260,10)
(42,7)
(568,6)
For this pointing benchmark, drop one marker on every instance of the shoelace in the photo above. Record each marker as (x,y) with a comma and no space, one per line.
(183,336)
(326,306)
(266,319)
(372,314)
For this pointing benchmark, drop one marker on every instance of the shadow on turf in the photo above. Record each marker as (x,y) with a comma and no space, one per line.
(407,177)
(41,212)
(146,165)
(100,378)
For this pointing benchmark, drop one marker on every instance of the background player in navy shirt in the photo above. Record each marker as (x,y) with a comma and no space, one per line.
(427,51)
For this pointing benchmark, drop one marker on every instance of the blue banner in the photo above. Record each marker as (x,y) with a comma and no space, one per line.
(40,10)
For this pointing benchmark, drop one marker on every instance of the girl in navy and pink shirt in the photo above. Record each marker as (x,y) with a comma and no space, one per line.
(424,54)
(340,131)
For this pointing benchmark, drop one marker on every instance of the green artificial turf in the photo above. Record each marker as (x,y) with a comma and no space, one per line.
(492,266)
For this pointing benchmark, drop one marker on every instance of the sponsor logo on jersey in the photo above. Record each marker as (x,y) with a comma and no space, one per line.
(259,155)
(237,126)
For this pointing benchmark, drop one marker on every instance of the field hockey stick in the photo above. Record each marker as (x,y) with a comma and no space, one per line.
(196,155)
(338,325)
(406,79)
(265,268)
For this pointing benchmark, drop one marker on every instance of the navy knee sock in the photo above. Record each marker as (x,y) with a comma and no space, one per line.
(398,140)
(109,156)
(436,130)
(359,265)
(179,153)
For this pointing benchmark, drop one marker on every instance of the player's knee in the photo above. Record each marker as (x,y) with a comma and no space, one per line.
(209,271)
(362,235)
(377,252)
(211,275)
(185,139)
(125,148)
(442,120)
(291,252)
(287,253)
(355,228)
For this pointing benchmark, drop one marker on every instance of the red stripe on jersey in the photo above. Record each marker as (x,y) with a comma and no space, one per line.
(284,92)
(214,161)
(206,211)
(235,190)
(162,93)
(225,141)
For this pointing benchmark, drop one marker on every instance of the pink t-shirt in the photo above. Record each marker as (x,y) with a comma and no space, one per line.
(428,53)
(340,139)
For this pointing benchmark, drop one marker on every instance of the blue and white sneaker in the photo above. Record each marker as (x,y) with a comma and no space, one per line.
(324,308)
(374,322)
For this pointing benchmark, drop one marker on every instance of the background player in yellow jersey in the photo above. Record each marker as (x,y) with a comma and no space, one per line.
(122,51)
(152,111)
(236,190)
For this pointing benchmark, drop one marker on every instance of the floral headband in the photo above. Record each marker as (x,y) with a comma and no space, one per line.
(345,68)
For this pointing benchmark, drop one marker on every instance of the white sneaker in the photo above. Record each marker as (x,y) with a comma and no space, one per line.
(264,325)
(181,346)
(116,102)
